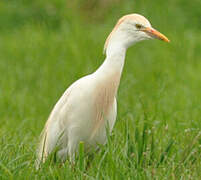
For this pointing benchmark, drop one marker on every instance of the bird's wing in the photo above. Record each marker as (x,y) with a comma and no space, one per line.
(59,115)
(47,141)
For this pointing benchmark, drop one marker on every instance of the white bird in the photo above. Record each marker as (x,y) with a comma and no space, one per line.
(89,105)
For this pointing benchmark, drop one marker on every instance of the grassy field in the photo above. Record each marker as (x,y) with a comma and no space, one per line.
(45,46)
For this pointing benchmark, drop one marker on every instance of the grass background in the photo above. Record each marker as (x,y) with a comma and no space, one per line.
(45,46)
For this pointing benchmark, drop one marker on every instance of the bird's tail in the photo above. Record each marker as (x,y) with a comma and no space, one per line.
(41,152)
(49,140)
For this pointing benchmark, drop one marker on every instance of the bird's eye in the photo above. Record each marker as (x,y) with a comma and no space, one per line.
(138,26)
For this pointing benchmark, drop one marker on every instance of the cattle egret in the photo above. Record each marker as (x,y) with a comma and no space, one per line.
(89,105)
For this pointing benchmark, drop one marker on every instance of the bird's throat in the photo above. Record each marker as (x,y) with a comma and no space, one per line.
(109,73)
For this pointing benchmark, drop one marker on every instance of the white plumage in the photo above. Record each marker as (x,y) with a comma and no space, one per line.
(89,104)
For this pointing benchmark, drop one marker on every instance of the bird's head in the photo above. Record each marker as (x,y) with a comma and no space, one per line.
(130,29)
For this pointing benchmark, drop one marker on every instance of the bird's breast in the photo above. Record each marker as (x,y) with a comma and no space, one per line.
(105,93)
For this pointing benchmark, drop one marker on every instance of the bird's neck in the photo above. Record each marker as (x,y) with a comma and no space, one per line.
(109,73)
(114,62)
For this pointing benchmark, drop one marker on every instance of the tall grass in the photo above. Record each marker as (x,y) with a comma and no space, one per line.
(45,46)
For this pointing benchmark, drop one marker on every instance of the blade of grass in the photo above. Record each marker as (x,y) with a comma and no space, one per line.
(81,156)
(6,170)
(165,152)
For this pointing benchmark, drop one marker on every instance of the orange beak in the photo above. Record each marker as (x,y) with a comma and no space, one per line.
(155,34)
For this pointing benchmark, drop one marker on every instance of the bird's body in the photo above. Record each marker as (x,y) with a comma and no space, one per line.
(89,105)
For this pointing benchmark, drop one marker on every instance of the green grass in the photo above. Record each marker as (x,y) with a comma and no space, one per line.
(44,47)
